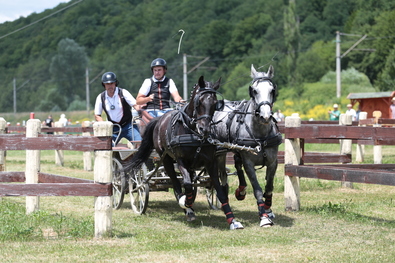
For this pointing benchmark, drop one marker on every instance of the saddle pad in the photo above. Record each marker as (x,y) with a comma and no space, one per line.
(185,140)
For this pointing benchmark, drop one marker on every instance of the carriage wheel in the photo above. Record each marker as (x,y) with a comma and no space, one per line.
(139,191)
(212,199)
(118,183)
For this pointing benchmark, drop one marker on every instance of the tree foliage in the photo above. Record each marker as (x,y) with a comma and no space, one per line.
(49,57)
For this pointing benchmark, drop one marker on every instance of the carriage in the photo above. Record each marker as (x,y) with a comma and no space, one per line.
(191,151)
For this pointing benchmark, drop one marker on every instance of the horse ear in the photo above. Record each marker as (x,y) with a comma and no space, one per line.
(270,71)
(253,71)
(202,83)
(217,84)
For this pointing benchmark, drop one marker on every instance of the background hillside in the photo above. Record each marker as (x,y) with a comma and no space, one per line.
(46,62)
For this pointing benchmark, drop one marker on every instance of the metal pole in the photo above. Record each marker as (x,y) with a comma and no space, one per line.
(338,65)
(87,89)
(14,83)
(185,77)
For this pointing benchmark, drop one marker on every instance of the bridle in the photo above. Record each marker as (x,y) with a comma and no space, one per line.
(273,93)
(196,103)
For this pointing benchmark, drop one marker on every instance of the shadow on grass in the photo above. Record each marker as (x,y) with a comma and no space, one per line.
(205,216)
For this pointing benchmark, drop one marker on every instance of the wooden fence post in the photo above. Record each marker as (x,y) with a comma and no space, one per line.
(3,125)
(359,156)
(59,155)
(103,174)
(33,127)
(377,149)
(292,155)
(346,144)
(87,156)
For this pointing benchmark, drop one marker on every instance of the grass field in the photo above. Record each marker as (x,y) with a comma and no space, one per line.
(334,224)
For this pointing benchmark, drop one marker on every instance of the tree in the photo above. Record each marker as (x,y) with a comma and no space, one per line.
(68,71)
(291,36)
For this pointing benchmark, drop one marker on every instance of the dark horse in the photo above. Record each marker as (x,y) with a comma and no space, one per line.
(251,124)
(181,136)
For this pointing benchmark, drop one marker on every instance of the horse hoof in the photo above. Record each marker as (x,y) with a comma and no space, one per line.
(240,193)
(270,214)
(266,222)
(190,215)
(235,225)
(181,202)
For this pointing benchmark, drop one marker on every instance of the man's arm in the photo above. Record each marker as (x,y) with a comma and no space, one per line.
(142,99)
(98,118)
(176,96)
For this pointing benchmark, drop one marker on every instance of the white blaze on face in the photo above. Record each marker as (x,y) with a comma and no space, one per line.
(263,94)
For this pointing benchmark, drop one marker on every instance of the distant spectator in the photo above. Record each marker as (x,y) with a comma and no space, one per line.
(335,114)
(63,120)
(352,112)
(392,108)
(358,111)
(49,123)
(278,116)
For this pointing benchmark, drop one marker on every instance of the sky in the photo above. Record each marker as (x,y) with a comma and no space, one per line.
(13,9)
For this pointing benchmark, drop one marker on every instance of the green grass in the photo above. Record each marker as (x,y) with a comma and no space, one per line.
(334,224)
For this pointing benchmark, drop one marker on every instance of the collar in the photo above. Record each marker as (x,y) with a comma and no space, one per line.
(115,93)
(158,80)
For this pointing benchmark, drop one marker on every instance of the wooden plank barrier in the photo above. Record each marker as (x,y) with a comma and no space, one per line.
(294,168)
(59,129)
(42,184)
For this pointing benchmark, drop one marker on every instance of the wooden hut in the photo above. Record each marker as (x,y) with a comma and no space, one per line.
(373,101)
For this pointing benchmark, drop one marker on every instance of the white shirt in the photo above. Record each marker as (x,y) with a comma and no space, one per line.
(353,113)
(392,107)
(117,113)
(146,86)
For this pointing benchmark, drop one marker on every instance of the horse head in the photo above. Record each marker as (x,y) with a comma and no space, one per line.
(203,104)
(263,92)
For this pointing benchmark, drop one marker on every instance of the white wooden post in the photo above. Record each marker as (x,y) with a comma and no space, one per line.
(292,155)
(87,156)
(346,144)
(33,127)
(103,174)
(3,125)
(377,149)
(59,155)
(359,156)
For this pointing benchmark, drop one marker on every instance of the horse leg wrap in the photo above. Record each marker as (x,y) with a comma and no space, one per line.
(241,192)
(228,212)
(265,211)
(189,195)
(189,200)
(268,200)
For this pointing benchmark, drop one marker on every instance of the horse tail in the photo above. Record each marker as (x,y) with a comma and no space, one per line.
(145,148)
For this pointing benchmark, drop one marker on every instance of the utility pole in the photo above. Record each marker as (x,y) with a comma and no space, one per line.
(339,57)
(14,84)
(338,66)
(87,89)
(186,72)
(185,76)
(15,89)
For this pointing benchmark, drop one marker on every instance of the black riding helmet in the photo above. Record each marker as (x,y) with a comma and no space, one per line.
(109,77)
(158,62)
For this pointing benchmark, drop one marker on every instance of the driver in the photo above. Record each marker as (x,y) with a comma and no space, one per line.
(155,92)
(117,103)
